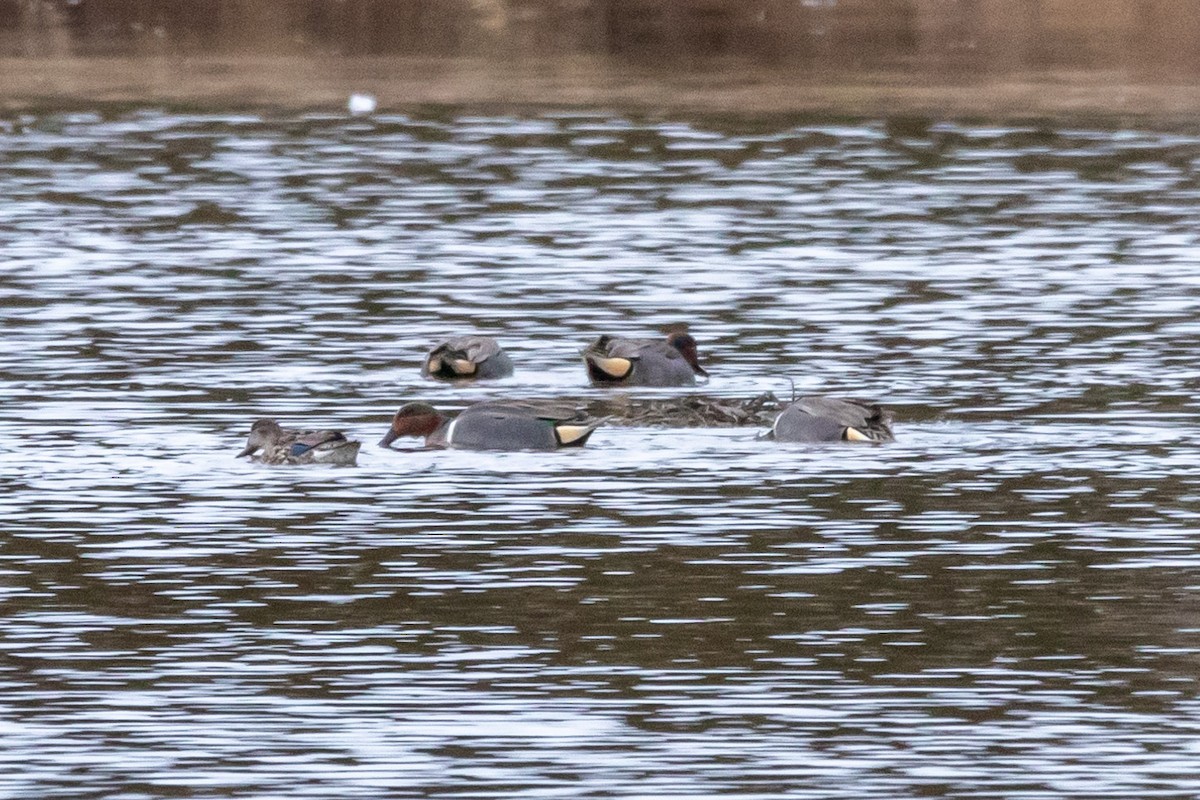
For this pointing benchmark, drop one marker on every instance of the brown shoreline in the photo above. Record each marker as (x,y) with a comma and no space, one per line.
(288,83)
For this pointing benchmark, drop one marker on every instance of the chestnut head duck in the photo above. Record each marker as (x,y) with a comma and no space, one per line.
(615,361)
(495,425)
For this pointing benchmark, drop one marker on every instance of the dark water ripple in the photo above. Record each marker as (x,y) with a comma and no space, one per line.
(1002,604)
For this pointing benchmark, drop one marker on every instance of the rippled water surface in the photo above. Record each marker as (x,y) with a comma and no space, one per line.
(1003,603)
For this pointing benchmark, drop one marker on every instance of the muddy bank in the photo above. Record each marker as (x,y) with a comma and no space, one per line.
(938,58)
(708,86)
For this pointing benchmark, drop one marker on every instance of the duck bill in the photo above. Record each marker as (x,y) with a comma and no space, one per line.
(388,438)
(249,451)
(699,370)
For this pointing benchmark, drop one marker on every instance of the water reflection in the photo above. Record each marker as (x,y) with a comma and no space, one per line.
(1001,601)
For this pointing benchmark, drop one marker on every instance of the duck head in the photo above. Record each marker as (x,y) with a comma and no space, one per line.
(262,433)
(686,345)
(413,419)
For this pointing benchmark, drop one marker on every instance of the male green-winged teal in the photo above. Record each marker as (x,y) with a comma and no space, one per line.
(494,425)
(467,358)
(287,446)
(613,361)
(829,419)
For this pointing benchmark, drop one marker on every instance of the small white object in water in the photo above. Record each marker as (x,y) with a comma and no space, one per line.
(361,103)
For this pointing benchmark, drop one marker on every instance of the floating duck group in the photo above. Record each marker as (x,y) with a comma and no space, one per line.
(611,361)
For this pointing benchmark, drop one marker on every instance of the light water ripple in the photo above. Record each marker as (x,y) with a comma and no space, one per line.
(1000,604)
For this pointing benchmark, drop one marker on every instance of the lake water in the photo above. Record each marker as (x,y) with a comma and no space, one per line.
(1004,603)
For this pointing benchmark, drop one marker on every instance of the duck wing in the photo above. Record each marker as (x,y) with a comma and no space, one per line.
(304,441)
(618,347)
(659,350)
(541,409)
(471,348)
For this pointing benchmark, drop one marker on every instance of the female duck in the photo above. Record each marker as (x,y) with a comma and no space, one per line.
(613,361)
(467,358)
(495,425)
(281,445)
(829,419)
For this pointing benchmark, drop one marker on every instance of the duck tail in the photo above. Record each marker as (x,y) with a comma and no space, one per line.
(575,434)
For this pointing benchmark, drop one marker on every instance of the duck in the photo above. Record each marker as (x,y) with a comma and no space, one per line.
(495,425)
(616,361)
(281,445)
(467,358)
(832,419)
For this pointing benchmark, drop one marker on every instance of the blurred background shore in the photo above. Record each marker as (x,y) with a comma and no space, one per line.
(982,58)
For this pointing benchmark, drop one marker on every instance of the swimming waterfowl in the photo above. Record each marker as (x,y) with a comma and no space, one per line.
(614,361)
(467,358)
(830,419)
(495,425)
(281,445)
